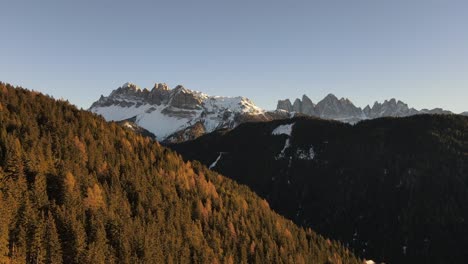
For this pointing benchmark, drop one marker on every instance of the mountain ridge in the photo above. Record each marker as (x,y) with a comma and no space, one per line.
(179,113)
(330,107)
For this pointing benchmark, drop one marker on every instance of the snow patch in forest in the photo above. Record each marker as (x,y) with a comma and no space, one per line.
(282,154)
(216,161)
(306,154)
(283,130)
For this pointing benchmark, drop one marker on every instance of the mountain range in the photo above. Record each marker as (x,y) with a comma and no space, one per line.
(344,110)
(180,114)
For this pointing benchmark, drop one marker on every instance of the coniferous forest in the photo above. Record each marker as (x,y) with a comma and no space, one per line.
(76,189)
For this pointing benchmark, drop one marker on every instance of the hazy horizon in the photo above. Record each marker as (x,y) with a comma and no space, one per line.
(363,50)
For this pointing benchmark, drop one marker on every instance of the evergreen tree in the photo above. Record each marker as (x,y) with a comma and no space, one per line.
(53,250)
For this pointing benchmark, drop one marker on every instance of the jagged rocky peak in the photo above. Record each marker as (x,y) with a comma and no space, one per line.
(126,95)
(344,110)
(126,88)
(367,110)
(159,94)
(345,100)
(245,101)
(390,107)
(178,113)
(327,102)
(330,98)
(394,103)
(131,86)
(306,101)
(284,105)
(340,109)
(297,106)
(307,106)
(180,88)
(186,99)
(130,94)
(161,87)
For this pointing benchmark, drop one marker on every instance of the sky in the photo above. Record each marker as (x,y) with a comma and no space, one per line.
(365,50)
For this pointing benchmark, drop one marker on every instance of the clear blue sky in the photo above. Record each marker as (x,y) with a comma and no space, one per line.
(366,50)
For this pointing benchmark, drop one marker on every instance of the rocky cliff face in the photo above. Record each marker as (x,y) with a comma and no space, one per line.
(178,114)
(130,94)
(307,107)
(284,105)
(344,110)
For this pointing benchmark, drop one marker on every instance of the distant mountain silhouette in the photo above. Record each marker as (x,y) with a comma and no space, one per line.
(344,110)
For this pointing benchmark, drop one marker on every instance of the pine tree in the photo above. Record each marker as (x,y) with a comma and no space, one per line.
(14,167)
(5,218)
(20,231)
(52,243)
(36,250)
(40,191)
(98,248)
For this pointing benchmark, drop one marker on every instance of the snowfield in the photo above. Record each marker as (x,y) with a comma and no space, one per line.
(147,116)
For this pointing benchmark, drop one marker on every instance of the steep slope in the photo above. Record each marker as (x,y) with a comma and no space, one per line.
(344,110)
(178,114)
(75,189)
(393,189)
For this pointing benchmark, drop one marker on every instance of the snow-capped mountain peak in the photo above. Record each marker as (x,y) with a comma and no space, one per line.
(174,113)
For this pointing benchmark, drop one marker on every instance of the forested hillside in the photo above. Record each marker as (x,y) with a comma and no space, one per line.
(76,189)
(393,189)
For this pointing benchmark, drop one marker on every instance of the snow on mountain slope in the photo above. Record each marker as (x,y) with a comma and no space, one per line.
(166,112)
(146,116)
(283,130)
